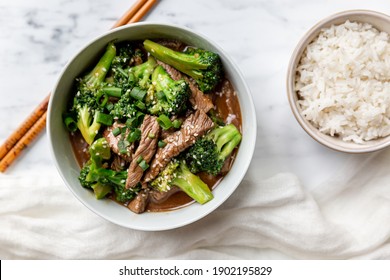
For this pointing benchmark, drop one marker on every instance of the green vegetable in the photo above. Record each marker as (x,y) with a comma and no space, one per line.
(116,131)
(210,152)
(167,96)
(176,173)
(176,124)
(101,180)
(104,119)
(138,93)
(85,105)
(134,135)
(203,66)
(164,122)
(70,121)
(143,165)
(141,73)
(161,144)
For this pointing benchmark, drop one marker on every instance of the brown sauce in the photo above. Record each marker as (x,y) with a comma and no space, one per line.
(227,108)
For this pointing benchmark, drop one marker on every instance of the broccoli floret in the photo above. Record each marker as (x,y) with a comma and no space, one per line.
(85,107)
(210,152)
(176,173)
(142,73)
(83,176)
(120,76)
(94,79)
(87,123)
(116,180)
(130,85)
(104,181)
(124,108)
(127,53)
(205,67)
(168,97)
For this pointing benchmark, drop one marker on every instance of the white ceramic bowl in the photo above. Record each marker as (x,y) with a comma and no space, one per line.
(69,168)
(377,20)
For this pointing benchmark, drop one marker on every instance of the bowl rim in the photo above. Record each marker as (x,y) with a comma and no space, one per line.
(249,149)
(294,59)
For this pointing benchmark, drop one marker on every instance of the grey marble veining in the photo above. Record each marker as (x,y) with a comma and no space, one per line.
(38,38)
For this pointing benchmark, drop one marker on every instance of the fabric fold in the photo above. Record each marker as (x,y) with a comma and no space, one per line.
(340,219)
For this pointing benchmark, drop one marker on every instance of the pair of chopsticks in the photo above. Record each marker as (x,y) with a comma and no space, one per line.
(36,121)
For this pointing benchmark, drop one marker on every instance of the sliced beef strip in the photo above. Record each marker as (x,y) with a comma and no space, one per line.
(172,44)
(175,74)
(195,126)
(139,203)
(198,99)
(150,130)
(113,141)
(159,197)
(118,163)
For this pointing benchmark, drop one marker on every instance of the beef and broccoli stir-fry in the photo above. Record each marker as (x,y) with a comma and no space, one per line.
(154,125)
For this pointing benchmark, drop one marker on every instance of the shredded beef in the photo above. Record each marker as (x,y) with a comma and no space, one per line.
(139,203)
(195,126)
(113,141)
(150,130)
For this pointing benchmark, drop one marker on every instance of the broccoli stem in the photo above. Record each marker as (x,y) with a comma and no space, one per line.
(192,185)
(181,61)
(87,124)
(229,147)
(97,75)
(162,82)
(101,190)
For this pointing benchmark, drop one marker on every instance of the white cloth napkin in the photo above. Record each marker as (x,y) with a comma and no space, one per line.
(347,217)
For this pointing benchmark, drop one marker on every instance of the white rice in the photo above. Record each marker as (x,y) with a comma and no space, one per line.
(343,80)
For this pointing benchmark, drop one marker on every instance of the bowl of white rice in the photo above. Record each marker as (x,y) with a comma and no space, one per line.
(338,81)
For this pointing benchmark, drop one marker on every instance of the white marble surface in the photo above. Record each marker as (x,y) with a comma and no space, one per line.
(38,37)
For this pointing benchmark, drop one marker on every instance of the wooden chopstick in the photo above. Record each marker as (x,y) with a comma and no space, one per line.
(23,142)
(130,13)
(142,11)
(24,127)
(35,122)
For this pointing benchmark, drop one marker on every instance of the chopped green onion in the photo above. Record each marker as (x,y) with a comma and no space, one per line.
(70,122)
(123,130)
(134,136)
(135,121)
(130,122)
(176,123)
(109,106)
(131,78)
(164,122)
(140,105)
(152,135)
(140,159)
(138,93)
(113,91)
(99,100)
(161,144)
(121,71)
(116,131)
(104,119)
(143,165)
(122,146)
(160,95)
